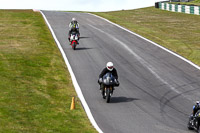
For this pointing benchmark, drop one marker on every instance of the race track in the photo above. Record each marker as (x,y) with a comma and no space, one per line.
(157,89)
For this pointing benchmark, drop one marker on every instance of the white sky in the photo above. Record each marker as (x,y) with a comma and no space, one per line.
(76,5)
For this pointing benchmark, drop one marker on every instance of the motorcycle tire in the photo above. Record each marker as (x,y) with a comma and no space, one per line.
(103,94)
(74,45)
(189,126)
(108,94)
(198,129)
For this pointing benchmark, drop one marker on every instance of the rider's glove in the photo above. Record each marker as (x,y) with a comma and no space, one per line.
(100,80)
(116,82)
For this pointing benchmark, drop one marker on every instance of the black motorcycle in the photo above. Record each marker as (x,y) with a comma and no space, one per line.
(194,122)
(109,82)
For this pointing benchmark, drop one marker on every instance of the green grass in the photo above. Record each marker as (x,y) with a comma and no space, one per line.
(178,32)
(35,86)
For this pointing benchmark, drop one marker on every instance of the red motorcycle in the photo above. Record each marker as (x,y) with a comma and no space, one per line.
(74,40)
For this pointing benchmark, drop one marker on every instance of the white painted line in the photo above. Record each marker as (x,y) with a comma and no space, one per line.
(191,63)
(75,83)
(142,61)
(163,6)
(196,10)
(187,9)
(173,7)
(179,8)
(167,7)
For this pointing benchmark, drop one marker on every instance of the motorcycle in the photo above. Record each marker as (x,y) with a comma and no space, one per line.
(109,82)
(74,40)
(194,122)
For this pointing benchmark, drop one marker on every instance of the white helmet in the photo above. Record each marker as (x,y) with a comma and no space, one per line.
(109,66)
(197,102)
(73,19)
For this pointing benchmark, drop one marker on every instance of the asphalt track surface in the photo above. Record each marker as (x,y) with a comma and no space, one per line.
(157,89)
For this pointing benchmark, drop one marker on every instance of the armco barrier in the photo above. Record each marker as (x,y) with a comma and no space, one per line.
(178,8)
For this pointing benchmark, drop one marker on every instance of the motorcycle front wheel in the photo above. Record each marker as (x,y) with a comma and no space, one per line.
(108,94)
(189,125)
(198,129)
(103,94)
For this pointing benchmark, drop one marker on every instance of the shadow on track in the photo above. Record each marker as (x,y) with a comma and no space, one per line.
(83,37)
(122,99)
(82,48)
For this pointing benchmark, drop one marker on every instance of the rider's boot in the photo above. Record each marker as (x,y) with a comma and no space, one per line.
(69,40)
(192,120)
(101,87)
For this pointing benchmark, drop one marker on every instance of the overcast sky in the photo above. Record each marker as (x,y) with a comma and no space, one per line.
(76,5)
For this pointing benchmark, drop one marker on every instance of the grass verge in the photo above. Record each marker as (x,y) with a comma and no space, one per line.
(35,86)
(178,32)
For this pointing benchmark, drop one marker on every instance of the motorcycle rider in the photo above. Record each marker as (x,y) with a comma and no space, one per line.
(74,21)
(73,31)
(196,108)
(74,27)
(109,68)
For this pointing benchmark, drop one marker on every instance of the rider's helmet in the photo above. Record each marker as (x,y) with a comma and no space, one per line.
(73,19)
(197,102)
(74,23)
(109,66)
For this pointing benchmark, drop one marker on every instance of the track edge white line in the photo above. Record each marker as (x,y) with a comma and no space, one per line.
(171,52)
(75,83)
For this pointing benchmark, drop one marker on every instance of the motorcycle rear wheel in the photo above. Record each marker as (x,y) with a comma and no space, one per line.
(74,45)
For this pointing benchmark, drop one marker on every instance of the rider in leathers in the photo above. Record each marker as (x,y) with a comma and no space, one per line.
(74,27)
(196,108)
(111,69)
